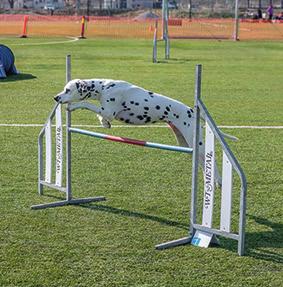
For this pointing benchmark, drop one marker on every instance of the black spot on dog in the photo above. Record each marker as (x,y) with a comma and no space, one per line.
(107,101)
(151,94)
(100,82)
(145,113)
(140,117)
(200,143)
(124,103)
(157,107)
(110,86)
(122,119)
(191,110)
(136,104)
(146,100)
(127,121)
(177,116)
(128,109)
(148,119)
(132,114)
(162,118)
(112,99)
(154,122)
(102,108)
(185,123)
(114,113)
(168,109)
(132,102)
(165,113)
(146,108)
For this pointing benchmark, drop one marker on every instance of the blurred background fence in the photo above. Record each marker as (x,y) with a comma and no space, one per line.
(122,27)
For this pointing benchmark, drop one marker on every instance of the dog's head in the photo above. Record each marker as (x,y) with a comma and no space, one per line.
(74,91)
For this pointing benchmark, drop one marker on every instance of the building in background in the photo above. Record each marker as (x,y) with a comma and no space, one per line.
(32,4)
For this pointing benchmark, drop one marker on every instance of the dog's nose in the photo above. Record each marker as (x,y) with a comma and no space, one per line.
(57,98)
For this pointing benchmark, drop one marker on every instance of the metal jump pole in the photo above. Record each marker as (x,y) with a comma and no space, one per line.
(67,189)
(132,141)
(68,137)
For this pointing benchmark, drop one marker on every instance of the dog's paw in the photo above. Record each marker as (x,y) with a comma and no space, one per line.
(106,124)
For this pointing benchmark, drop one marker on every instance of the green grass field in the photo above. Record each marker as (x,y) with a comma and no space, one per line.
(112,243)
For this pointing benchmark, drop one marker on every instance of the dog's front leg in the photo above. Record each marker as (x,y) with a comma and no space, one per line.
(84,105)
(105,123)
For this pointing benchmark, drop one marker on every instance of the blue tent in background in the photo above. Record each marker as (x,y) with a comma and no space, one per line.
(7,60)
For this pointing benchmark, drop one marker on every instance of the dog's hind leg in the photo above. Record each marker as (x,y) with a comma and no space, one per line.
(179,136)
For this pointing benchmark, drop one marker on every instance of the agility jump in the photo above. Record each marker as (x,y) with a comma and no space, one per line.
(200,234)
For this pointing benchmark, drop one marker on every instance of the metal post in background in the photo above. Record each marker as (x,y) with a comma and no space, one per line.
(154,52)
(236,22)
(165,37)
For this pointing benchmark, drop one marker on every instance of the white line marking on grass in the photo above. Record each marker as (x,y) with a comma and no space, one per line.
(72,39)
(251,127)
(142,126)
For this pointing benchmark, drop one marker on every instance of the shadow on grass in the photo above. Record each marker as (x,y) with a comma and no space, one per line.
(134,214)
(258,242)
(19,77)
(255,241)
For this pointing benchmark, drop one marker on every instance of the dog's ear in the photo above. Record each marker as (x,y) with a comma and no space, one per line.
(81,86)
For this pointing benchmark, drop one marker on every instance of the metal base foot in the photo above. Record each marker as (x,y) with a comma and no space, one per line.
(68,202)
(174,243)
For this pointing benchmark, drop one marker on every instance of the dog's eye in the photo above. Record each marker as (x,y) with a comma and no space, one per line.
(67,91)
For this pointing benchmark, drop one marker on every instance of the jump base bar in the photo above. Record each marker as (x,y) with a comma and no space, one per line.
(174,243)
(68,202)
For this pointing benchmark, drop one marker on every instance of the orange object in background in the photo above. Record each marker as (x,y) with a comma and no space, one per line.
(117,27)
(83,28)
(24,33)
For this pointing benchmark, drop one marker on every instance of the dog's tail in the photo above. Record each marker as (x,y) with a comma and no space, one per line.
(230,137)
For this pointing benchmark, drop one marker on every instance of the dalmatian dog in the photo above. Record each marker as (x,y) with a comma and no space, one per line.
(131,104)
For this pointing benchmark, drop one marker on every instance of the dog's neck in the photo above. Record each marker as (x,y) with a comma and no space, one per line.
(97,86)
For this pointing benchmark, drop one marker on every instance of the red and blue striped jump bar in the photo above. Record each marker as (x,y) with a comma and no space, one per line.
(132,141)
